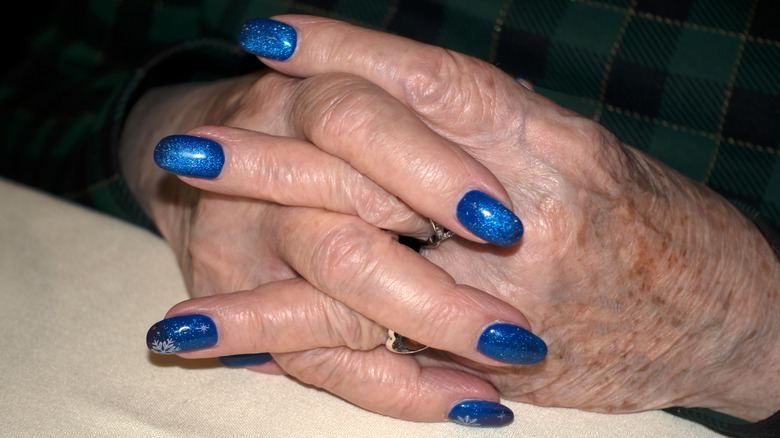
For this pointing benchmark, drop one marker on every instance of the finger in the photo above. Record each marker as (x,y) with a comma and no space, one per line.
(371,130)
(438,84)
(282,170)
(373,274)
(293,172)
(359,122)
(283,316)
(397,386)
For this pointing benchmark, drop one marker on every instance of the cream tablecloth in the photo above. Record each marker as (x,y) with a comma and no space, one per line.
(79,291)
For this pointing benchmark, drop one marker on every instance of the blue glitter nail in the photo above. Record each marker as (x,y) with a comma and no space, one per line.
(481,413)
(512,344)
(181,334)
(268,39)
(190,156)
(245,360)
(489,219)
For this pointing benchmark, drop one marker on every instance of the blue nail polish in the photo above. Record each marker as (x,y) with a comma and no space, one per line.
(511,344)
(268,39)
(181,334)
(187,155)
(489,219)
(245,360)
(481,413)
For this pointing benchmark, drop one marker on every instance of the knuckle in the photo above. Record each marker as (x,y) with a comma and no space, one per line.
(441,81)
(343,254)
(378,207)
(445,309)
(323,368)
(249,106)
(349,329)
(335,105)
(432,69)
(437,78)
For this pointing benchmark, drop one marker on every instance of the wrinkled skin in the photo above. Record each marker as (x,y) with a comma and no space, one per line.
(650,290)
(630,272)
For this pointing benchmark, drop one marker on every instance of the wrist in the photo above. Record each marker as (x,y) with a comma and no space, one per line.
(747,385)
(732,276)
(754,393)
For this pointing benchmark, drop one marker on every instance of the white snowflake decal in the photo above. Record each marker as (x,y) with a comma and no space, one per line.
(164,347)
(203,328)
(468,421)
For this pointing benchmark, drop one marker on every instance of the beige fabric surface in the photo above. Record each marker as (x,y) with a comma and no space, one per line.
(79,290)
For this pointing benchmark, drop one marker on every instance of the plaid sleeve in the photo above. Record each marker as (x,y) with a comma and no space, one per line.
(692,82)
(63,105)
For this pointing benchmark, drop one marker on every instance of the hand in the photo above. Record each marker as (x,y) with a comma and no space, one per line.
(652,290)
(231,243)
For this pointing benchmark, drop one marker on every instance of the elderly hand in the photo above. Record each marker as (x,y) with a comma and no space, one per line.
(227,242)
(651,289)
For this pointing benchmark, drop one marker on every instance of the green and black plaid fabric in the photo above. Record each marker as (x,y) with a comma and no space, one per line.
(691,82)
(694,83)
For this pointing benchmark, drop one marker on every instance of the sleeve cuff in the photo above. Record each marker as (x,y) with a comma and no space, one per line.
(730,426)
(198,60)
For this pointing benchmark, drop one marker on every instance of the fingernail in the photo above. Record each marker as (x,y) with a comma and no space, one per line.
(489,219)
(245,360)
(181,334)
(268,39)
(187,155)
(511,344)
(481,413)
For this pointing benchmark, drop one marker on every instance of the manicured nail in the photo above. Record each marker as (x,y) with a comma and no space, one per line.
(187,155)
(245,360)
(481,413)
(489,219)
(268,39)
(181,334)
(511,344)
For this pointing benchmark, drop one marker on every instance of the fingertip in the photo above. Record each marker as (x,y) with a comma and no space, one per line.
(512,344)
(268,38)
(480,413)
(181,334)
(489,219)
(188,155)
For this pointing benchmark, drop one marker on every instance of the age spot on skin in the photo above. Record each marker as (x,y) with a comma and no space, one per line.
(658,300)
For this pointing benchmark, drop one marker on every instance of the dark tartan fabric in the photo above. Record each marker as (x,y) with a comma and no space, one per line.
(691,82)
(695,83)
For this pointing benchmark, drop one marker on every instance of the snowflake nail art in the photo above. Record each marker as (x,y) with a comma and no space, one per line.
(164,347)
(181,334)
(468,421)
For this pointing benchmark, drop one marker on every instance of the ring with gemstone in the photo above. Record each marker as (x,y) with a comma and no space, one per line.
(440,234)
